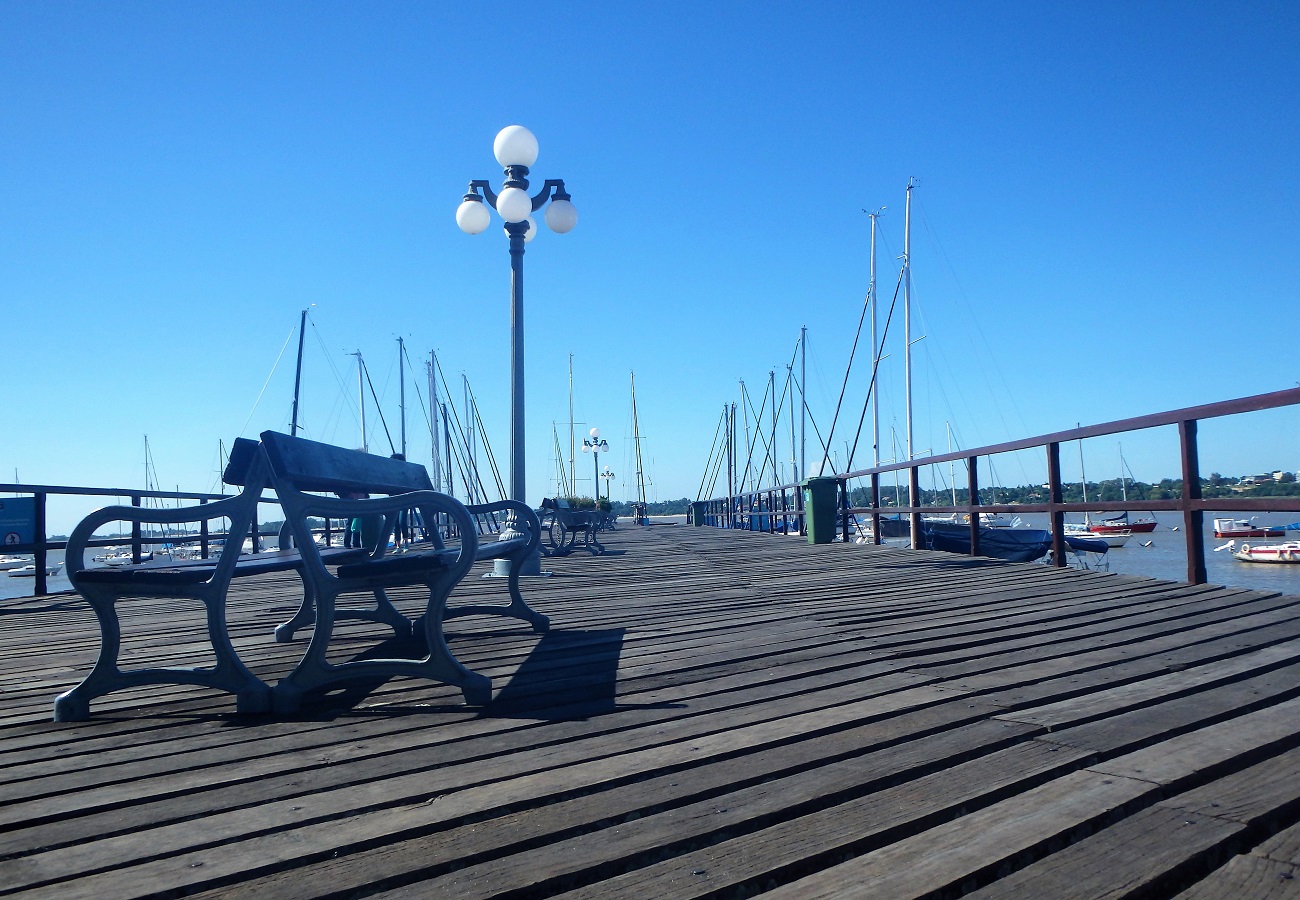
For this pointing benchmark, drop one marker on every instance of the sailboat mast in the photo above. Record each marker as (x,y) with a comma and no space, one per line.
(401,392)
(789,377)
(907,316)
(749,442)
(1083,476)
(952,475)
(361,396)
(636,443)
(803,404)
(297,378)
(435,458)
(1123,486)
(771,386)
(875,348)
(446,444)
(573,472)
(471,452)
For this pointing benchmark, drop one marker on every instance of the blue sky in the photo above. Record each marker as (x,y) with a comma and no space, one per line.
(1105,222)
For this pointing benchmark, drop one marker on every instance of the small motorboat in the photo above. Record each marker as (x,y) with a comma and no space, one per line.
(1088,530)
(29,571)
(1241,528)
(13,562)
(1285,552)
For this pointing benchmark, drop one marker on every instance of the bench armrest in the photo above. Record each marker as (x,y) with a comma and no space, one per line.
(430,503)
(237,508)
(525,517)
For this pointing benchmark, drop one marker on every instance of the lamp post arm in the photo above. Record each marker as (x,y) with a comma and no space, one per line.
(486,188)
(556,184)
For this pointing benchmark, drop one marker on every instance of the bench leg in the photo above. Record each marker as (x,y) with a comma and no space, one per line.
(316,672)
(384,613)
(229,674)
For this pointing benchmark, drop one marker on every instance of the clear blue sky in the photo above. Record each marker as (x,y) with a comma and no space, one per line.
(1106,222)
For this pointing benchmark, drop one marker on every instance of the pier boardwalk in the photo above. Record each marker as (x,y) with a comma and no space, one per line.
(713,714)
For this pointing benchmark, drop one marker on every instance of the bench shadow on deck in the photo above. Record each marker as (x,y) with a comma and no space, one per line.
(712,714)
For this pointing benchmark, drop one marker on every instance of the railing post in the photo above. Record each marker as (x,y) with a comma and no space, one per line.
(40,554)
(135,534)
(203,534)
(875,508)
(1193,518)
(844,507)
(913,496)
(1054,498)
(973,487)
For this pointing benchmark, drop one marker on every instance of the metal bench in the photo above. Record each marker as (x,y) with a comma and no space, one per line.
(203,580)
(298,471)
(565,525)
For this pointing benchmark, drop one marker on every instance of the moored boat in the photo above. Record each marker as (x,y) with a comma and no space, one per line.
(1089,530)
(1015,544)
(1122,523)
(1242,528)
(1285,552)
(29,571)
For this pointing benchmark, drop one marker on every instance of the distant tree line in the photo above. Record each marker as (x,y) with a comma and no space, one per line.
(1099,491)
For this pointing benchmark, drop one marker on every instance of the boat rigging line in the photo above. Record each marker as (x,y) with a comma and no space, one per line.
(717,466)
(875,369)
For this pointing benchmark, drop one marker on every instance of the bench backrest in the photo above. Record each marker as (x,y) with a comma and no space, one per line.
(313,466)
(242,455)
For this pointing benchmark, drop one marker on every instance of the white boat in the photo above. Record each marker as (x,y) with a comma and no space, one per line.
(13,562)
(29,571)
(1284,552)
(1113,539)
(1239,528)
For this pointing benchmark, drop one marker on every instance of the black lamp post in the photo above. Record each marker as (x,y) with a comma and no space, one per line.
(595,446)
(515,148)
(608,475)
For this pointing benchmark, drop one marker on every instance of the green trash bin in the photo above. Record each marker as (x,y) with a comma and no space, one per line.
(821,501)
(698,513)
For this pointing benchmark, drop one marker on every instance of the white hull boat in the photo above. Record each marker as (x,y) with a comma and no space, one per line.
(1113,539)
(29,571)
(1285,552)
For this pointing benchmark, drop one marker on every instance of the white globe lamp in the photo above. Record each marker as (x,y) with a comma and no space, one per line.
(473,217)
(561,216)
(514,204)
(515,146)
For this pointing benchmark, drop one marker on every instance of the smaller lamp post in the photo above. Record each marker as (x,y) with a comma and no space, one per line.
(594,445)
(608,474)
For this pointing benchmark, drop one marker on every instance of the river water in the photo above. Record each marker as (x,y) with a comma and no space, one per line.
(1160,554)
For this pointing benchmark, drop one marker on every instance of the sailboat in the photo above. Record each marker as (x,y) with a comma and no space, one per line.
(1113,538)
(1118,524)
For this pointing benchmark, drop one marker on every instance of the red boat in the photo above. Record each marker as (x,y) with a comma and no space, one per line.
(1240,528)
(1121,523)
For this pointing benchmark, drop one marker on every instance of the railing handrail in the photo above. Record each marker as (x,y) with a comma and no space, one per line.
(1191,503)
(106,492)
(1256,403)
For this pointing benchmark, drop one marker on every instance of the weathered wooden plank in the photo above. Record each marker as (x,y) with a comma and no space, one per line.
(763,677)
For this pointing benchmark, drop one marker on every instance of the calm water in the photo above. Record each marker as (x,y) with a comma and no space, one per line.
(1164,558)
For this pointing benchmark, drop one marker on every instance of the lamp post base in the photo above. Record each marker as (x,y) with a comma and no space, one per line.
(532,566)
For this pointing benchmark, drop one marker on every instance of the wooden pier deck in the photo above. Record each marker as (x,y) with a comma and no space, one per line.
(714,714)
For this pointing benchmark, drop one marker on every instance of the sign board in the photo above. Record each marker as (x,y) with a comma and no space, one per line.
(17,520)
